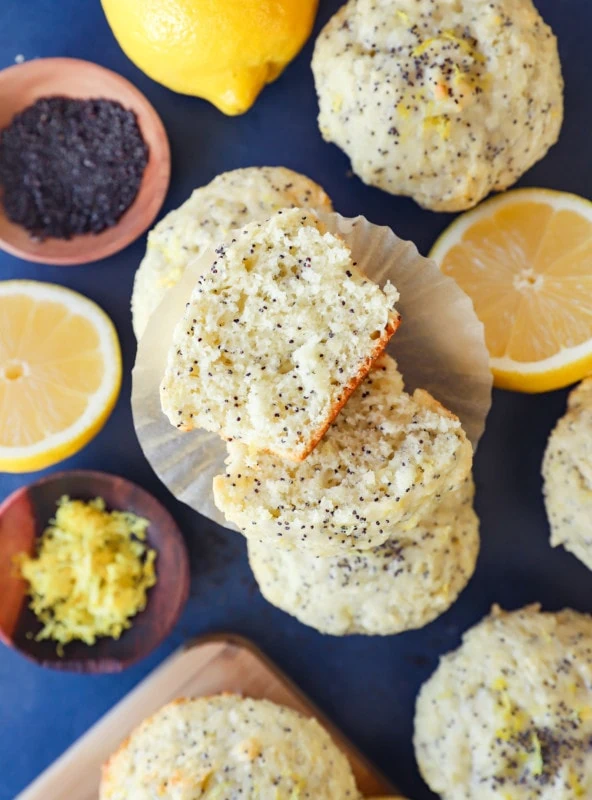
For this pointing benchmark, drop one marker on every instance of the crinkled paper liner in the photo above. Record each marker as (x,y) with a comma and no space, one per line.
(439,346)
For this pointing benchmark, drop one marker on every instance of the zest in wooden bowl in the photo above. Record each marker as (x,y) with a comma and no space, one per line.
(24,516)
(20,87)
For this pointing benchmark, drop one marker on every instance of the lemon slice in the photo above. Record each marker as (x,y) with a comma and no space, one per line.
(525,259)
(60,373)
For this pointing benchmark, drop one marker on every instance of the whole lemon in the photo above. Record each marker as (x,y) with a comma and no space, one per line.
(222,50)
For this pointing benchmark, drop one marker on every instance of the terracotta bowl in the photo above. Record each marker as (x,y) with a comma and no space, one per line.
(22,85)
(24,516)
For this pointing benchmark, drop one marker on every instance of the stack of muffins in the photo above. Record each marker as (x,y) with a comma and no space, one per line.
(355,497)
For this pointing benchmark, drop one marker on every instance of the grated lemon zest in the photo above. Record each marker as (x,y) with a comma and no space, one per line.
(90,574)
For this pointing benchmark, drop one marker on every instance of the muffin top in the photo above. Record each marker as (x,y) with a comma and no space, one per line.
(509,714)
(225,747)
(439,100)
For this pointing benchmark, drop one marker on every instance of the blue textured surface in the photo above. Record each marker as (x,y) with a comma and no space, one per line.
(367,686)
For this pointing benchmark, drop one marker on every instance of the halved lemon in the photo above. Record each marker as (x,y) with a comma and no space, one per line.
(60,373)
(525,259)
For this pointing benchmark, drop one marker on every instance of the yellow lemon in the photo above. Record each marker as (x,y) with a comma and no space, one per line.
(525,259)
(60,373)
(222,50)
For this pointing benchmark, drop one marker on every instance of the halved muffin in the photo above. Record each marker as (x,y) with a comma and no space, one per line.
(276,337)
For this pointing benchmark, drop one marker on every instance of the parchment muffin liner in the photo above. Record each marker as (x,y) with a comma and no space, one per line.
(440,346)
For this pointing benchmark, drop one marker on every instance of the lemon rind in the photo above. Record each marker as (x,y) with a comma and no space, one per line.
(558,200)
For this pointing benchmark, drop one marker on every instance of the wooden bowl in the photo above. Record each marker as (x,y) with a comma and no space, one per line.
(23,517)
(22,85)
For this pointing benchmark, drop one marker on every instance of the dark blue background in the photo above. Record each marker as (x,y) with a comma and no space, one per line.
(367,685)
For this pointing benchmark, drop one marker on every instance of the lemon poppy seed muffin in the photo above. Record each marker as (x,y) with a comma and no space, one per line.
(403,584)
(567,473)
(385,461)
(439,100)
(509,714)
(276,337)
(230,201)
(225,747)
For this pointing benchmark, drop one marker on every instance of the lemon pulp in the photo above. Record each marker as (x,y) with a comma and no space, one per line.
(60,372)
(525,259)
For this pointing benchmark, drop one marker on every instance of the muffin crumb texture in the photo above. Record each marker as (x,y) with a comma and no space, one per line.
(276,337)
(439,100)
(230,201)
(508,716)
(386,461)
(226,747)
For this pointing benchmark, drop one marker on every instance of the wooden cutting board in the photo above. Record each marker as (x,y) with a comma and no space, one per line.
(210,665)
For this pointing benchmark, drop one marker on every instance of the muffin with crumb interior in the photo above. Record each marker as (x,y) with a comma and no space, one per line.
(229,201)
(276,336)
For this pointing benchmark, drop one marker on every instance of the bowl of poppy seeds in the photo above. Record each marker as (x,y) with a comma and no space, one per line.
(84,161)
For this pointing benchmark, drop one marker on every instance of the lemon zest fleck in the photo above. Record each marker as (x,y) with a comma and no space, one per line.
(421,48)
(464,45)
(337,103)
(514,719)
(439,123)
(449,36)
(537,764)
(402,110)
(575,785)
